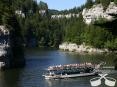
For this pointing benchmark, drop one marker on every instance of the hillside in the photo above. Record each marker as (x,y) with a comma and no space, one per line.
(43,27)
(100,37)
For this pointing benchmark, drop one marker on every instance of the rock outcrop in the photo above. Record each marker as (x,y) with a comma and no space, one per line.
(72,47)
(20,13)
(4,46)
(60,16)
(97,12)
(10,53)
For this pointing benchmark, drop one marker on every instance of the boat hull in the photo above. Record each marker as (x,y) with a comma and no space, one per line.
(68,76)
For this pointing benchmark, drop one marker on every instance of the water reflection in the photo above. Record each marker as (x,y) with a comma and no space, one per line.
(10,78)
(69,82)
(94,58)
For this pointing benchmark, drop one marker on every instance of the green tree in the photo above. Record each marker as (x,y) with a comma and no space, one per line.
(105,3)
(97,1)
(89,4)
(115,1)
(74,30)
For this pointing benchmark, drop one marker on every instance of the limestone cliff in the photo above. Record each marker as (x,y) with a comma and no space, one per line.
(97,12)
(4,46)
(73,47)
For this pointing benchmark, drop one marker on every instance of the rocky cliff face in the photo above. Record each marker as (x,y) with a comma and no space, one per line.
(97,12)
(4,46)
(10,54)
(60,16)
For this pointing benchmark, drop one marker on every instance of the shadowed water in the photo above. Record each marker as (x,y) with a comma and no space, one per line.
(38,60)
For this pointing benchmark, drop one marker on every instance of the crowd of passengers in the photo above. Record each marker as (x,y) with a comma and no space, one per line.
(71,66)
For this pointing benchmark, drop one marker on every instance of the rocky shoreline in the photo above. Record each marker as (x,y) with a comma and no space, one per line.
(73,47)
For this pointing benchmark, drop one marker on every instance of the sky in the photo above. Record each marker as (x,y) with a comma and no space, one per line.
(63,4)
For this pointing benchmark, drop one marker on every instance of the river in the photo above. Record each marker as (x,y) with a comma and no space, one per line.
(38,60)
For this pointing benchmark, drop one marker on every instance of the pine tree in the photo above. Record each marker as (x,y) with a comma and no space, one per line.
(89,4)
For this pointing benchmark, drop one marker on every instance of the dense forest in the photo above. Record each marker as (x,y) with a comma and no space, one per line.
(39,30)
